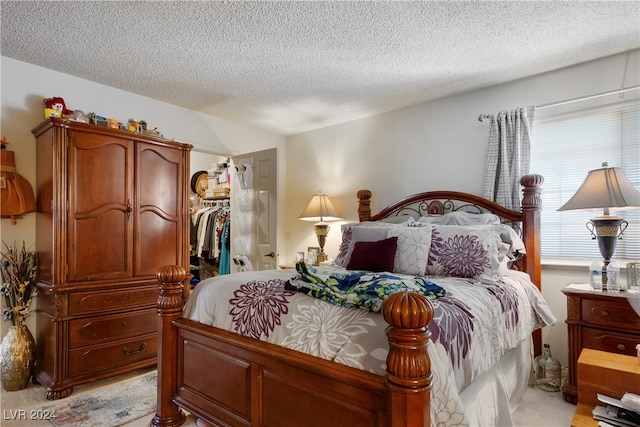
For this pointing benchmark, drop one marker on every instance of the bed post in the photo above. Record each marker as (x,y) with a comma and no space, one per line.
(364,205)
(170,302)
(531,207)
(408,374)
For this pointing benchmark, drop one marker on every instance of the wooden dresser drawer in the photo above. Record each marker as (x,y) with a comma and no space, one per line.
(89,331)
(610,342)
(101,301)
(85,360)
(613,314)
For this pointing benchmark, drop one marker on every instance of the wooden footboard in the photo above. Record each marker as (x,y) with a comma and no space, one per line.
(231,380)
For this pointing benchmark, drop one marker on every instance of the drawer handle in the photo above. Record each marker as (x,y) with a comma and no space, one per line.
(127,351)
(622,347)
(124,323)
(604,313)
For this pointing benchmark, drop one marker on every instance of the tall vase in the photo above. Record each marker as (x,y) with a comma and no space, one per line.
(17,357)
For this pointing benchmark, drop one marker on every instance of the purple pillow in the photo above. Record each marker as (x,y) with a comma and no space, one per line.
(374,256)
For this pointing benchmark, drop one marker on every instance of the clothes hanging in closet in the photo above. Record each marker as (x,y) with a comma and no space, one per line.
(210,236)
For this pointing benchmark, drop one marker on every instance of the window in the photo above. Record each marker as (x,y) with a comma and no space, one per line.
(563,150)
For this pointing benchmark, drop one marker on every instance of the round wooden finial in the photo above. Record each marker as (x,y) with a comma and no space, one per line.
(171,274)
(364,194)
(532,180)
(532,187)
(407,310)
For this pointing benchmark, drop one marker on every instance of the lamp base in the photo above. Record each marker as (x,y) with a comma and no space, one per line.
(605,228)
(322,230)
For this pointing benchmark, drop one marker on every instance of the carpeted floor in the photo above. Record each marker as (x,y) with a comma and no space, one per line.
(538,409)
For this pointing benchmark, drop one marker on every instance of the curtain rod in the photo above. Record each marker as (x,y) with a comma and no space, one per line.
(620,91)
(584,98)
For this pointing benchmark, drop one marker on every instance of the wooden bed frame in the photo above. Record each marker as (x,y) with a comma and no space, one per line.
(231,380)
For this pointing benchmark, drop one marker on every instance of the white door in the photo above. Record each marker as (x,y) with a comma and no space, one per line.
(254,209)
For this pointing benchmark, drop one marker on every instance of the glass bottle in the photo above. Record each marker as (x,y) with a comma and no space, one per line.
(595,275)
(547,371)
(613,278)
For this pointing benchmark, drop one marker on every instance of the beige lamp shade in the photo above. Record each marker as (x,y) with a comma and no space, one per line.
(320,209)
(606,188)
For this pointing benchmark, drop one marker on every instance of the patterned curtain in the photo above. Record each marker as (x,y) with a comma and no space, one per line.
(509,155)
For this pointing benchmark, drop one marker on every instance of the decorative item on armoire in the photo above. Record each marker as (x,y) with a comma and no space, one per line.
(19,268)
(16,194)
(55,107)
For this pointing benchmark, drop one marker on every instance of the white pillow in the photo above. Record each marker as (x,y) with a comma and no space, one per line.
(462,218)
(413,249)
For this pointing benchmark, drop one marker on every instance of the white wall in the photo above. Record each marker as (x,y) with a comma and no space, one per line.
(24,86)
(434,146)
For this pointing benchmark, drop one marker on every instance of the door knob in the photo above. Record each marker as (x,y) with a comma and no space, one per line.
(271,254)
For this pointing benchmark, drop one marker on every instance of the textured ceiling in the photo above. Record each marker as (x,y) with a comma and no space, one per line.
(296,66)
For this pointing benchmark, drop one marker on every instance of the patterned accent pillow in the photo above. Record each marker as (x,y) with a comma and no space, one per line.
(347,231)
(413,249)
(373,256)
(346,246)
(469,251)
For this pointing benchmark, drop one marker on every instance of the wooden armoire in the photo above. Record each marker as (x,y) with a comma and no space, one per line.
(112,207)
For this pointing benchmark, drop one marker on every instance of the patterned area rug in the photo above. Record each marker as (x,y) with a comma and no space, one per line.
(110,406)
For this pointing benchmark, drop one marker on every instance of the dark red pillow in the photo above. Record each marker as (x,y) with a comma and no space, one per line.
(373,256)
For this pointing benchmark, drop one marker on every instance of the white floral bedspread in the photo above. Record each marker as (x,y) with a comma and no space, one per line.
(476,323)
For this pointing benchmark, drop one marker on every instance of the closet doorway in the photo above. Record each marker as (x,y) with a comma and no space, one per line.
(252,202)
(257,172)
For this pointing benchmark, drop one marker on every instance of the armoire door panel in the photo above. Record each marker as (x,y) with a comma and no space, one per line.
(100,168)
(100,206)
(159,243)
(158,178)
(160,192)
(106,256)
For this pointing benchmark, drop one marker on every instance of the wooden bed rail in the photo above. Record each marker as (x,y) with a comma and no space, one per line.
(407,378)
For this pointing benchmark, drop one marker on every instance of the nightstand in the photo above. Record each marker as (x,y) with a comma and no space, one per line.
(598,320)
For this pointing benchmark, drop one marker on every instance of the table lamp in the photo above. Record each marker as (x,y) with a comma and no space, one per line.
(320,209)
(609,189)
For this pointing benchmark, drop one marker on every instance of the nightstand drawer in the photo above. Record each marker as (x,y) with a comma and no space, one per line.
(610,342)
(610,313)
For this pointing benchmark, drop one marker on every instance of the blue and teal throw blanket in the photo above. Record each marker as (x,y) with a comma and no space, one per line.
(362,289)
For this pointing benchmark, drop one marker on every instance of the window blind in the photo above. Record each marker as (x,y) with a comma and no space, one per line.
(564,149)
